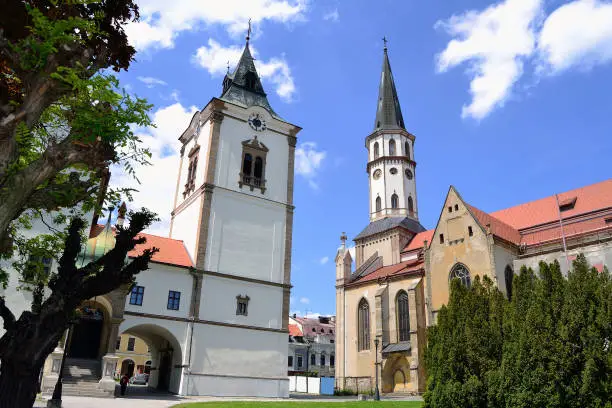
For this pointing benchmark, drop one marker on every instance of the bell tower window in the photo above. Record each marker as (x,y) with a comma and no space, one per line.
(407,149)
(191,171)
(253,165)
(394,201)
(376,152)
(378,204)
(410,207)
(392,147)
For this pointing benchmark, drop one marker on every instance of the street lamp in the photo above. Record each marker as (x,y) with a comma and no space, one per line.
(56,399)
(376,392)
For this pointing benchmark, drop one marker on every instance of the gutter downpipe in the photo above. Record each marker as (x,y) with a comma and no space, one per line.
(562,233)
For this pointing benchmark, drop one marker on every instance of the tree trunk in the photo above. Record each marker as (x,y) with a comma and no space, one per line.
(18,387)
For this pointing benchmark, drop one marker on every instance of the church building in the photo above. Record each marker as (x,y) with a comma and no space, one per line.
(403,271)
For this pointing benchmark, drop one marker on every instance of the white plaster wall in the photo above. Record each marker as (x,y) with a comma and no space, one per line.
(185,226)
(218,302)
(231,351)
(246,236)
(157,282)
(377,187)
(502,258)
(218,386)
(229,159)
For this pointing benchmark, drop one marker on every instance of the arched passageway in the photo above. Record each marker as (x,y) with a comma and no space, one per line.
(89,334)
(165,363)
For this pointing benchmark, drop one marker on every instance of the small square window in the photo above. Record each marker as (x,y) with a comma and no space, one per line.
(441,238)
(456,207)
(131,342)
(137,295)
(174,300)
(242,305)
(470,232)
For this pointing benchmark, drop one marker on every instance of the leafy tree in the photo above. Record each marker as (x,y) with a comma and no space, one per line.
(64,121)
(547,347)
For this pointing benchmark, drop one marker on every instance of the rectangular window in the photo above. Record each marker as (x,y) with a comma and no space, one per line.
(131,342)
(290,361)
(299,361)
(470,232)
(332,360)
(174,300)
(242,305)
(137,295)
(313,359)
(322,360)
(441,238)
(118,345)
(450,209)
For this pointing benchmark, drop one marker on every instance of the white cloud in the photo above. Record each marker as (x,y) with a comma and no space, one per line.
(494,42)
(308,161)
(324,260)
(577,34)
(150,82)
(215,59)
(304,300)
(161,21)
(158,180)
(332,16)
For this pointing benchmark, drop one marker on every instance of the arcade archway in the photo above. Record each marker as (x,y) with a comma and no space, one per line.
(165,364)
(89,334)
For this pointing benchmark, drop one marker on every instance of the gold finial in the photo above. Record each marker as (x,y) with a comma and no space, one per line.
(385,42)
(248,37)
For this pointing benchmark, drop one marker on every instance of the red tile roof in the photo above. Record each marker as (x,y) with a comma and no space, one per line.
(392,270)
(498,228)
(171,251)
(570,229)
(294,330)
(589,198)
(418,240)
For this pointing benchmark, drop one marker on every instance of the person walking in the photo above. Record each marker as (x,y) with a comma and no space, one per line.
(124,383)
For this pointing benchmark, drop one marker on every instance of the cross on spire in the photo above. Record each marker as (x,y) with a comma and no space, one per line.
(385,42)
(248,37)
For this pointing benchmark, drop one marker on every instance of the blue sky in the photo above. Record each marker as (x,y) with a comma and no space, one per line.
(510,101)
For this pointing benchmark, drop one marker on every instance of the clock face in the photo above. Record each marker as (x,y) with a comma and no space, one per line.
(256,122)
(377,174)
(393,170)
(409,174)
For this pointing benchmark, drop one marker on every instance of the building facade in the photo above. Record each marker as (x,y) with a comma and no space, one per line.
(134,356)
(312,346)
(403,271)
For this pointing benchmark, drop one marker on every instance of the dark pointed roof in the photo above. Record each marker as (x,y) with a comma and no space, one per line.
(388,111)
(243,86)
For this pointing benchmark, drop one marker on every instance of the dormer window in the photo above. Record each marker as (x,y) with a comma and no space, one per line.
(251,80)
(191,171)
(253,165)
(567,204)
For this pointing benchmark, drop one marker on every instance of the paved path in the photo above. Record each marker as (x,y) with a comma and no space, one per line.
(164,401)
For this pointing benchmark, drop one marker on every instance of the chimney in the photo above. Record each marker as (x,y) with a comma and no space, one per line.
(122,212)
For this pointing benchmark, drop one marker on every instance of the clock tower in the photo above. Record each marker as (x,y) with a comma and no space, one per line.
(233,211)
(391,172)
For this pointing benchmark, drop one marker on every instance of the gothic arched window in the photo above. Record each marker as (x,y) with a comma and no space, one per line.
(363,329)
(410,206)
(392,147)
(394,201)
(378,204)
(403,316)
(376,152)
(509,276)
(407,149)
(461,272)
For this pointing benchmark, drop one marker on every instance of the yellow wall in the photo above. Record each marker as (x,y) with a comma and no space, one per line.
(140,355)
(475,252)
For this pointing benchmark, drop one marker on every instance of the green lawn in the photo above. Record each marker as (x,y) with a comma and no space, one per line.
(302,404)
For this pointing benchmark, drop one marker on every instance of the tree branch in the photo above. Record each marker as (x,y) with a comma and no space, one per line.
(7,315)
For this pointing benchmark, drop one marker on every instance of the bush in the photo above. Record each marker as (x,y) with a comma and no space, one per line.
(549,346)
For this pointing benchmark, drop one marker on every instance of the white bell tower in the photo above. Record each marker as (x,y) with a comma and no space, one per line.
(391,166)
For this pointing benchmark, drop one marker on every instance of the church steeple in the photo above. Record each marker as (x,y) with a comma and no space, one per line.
(388,111)
(243,86)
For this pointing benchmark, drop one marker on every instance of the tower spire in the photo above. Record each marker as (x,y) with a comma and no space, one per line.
(248,37)
(388,111)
